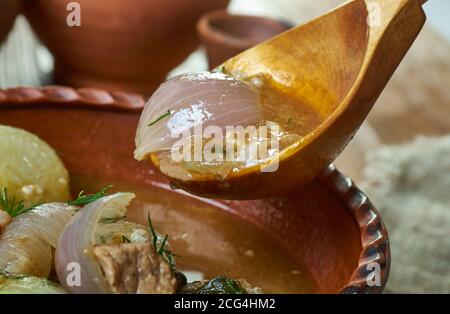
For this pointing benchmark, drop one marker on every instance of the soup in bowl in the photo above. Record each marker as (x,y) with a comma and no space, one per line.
(322,237)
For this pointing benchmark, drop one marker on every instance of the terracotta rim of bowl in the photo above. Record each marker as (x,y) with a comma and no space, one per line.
(375,248)
(83,97)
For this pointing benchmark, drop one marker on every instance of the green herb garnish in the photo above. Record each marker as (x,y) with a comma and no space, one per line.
(161,250)
(165,115)
(26,284)
(163,243)
(219,69)
(8,275)
(12,207)
(152,231)
(109,220)
(221,285)
(82,199)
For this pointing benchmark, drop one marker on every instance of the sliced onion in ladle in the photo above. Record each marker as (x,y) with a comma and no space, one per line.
(185,101)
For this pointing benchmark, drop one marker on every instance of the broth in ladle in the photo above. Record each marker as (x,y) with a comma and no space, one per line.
(254,122)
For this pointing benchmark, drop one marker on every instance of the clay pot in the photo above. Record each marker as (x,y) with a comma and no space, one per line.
(329,225)
(121,44)
(225,35)
(9,9)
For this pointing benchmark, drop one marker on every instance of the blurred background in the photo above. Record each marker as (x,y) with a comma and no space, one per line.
(400,156)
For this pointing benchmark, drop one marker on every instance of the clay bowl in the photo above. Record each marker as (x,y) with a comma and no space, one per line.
(9,9)
(225,35)
(120,45)
(328,224)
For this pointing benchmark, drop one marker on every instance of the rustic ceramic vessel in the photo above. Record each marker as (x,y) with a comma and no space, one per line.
(328,224)
(126,45)
(9,9)
(225,35)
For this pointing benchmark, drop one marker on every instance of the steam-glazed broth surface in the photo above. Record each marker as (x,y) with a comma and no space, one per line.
(212,242)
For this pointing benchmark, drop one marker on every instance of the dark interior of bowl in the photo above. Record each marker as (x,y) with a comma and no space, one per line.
(9,9)
(248,28)
(312,224)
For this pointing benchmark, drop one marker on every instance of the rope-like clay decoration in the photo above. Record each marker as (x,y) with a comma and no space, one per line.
(375,249)
(77,97)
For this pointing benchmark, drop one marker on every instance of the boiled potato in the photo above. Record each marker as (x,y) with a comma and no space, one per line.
(30,169)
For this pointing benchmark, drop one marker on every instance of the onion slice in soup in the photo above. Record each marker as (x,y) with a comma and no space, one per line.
(96,223)
(188,100)
(26,243)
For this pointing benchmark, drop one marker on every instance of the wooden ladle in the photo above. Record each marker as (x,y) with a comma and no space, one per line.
(338,64)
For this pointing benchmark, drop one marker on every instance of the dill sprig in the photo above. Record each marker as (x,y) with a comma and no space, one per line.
(219,69)
(4,273)
(14,208)
(165,115)
(152,231)
(11,206)
(163,243)
(83,199)
(110,220)
(161,250)
(221,285)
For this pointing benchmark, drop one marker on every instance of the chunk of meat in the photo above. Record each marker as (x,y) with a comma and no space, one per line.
(5,219)
(135,268)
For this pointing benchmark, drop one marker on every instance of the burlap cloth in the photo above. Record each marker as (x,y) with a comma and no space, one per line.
(412,192)
(410,185)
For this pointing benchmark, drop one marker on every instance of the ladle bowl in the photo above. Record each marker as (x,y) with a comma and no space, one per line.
(338,64)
